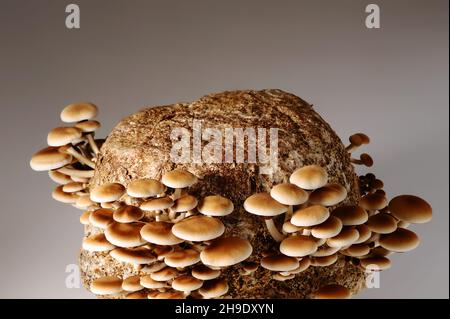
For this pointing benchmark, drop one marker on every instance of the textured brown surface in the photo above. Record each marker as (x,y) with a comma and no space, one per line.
(140,147)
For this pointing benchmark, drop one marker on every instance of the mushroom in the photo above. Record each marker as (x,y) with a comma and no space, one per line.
(97,242)
(214,288)
(309,177)
(304,264)
(73,187)
(128,214)
(279,263)
(183,204)
(328,195)
(401,240)
(333,291)
(160,233)
(88,127)
(346,237)
(249,267)
(329,228)
(154,267)
(59,178)
(164,274)
(108,285)
(376,263)
(364,159)
(162,251)
(124,235)
(310,216)
(226,251)
(215,205)
(298,246)
(144,188)
(262,204)
(356,140)
(198,228)
(410,209)
(357,250)
(101,218)
(289,195)
(135,256)
(132,284)
(182,258)
(76,173)
(167,295)
(290,228)
(281,277)
(77,112)
(203,272)
(59,195)
(149,283)
(350,215)
(49,158)
(374,201)
(178,179)
(364,233)
(106,193)
(382,223)
(324,261)
(325,250)
(84,218)
(186,283)
(69,149)
(141,294)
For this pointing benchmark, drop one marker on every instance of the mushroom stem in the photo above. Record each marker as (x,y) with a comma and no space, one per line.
(76,172)
(179,218)
(273,231)
(288,214)
(351,148)
(92,143)
(176,194)
(70,150)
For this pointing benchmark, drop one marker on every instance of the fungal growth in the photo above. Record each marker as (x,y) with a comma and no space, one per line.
(170,234)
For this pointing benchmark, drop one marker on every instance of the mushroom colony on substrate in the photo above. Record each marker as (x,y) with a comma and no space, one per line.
(157,229)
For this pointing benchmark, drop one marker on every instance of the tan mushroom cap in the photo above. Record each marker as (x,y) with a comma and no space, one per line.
(215,205)
(137,256)
(84,202)
(376,263)
(250,266)
(164,274)
(178,179)
(108,192)
(346,237)
(380,252)
(49,158)
(77,112)
(289,194)
(279,263)
(262,204)
(132,284)
(333,292)
(401,240)
(411,209)
(124,235)
(325,250)
(146,187)
(141,294)
(101,218)
(198,228)
(310,216)
(73,187)
(309,177)
(106,285)
(84,218)
(329,228)
(203,272)
(59,178)
(97,242)
(128,214)
(328,195)
(374,201)
(160,233)
(298,246)
(59,195)
(182,258)
(186,283)
(184,204)
(214,288)
(157,204)
(147,282)
(88,126)
(304,264)
(166,295)
(382,223)
(226,251)
(60,136)
(359,139)
(350,215)
(163,251)
(358,250)
(282,277)
(290,228)
(364,233)
(324,261)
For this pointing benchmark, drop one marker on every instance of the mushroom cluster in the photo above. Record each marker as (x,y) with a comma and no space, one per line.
(318,228)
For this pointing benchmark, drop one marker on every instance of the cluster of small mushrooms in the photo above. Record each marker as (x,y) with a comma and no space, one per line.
(178,242)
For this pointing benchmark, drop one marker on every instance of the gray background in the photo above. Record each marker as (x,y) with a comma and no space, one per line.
(391,83)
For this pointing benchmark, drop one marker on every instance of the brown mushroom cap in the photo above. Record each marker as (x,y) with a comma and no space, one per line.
(374,201)
(350,215)
(226,251)
(214,288)
(358,250)
(132,284)
(124,235)
(157,204)
(146,187)
(73,187)
(215,205)
(198,228)
(101,218)
(289,194)
(184,204)
(84,202)
(329,228)
(182,258)
(137,256)
(359,139)
(298,246)
(376,263)
(262,204)
(279,263)
(346,237)
(382,223)
(310,216)
(328,195)
(59,195)
(325,250)
(309,177)
(60,136)
(88,126)
(49,158)
(97,242)
(203,272)
(324,261)
(186,283)
(283,277)
(364,233)
(166,295)
(290,228)
(333,292)
(380,252)
(59,178)
(128,214)
(141,294)
(411,209)
(160,233)
(84,218)
(147,282)
(178,179)
(401,240)
(106,285)
(304,264)
(106,193)
(164,274)
(163,251)
(78,112)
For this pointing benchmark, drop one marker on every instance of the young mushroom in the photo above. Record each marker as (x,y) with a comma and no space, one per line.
(289,195)
(186,283)
(157,205)
(101,218)
(178,179)
(376,263)
(124,235)
(401,240)
(97,242)
(214,288)
(144,188)
(135,256)
(382,223)
(160,233)
(182,258)
(88,127)
(328,195)
(198,228)
(49,158)
(350,215)
(132,284)
(226,251)
(410,209)
(108,285)
(364,159)
(333,291)
(203,272)
(59,178)
(128,214)
(106,193)
(298,246)
(309,177)
(279,263)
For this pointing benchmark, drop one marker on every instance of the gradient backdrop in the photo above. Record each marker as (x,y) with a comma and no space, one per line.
(391,83)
